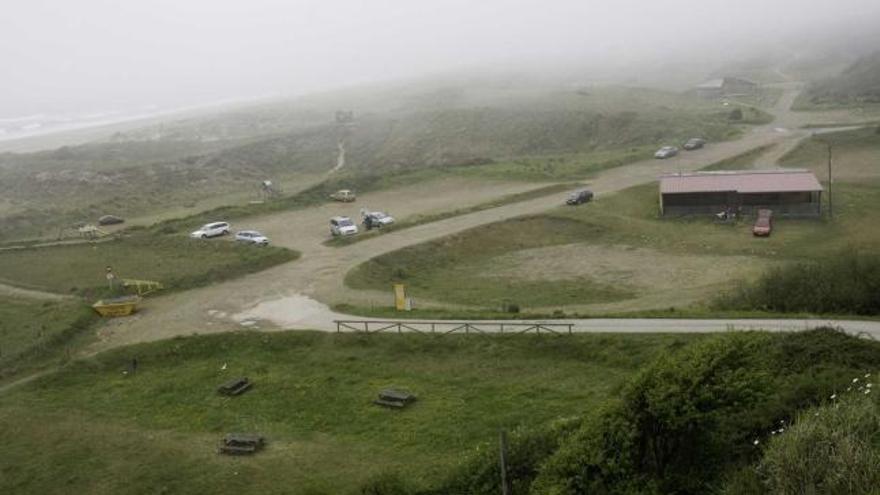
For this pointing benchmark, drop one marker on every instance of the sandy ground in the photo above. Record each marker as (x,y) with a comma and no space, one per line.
(296,295)
(653,275)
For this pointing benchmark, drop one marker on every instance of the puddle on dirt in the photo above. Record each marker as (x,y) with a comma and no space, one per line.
(293,312)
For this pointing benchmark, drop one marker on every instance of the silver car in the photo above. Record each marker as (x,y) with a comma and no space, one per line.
(251,237)
(666,152)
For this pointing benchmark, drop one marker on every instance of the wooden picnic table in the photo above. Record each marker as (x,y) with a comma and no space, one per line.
(236,386)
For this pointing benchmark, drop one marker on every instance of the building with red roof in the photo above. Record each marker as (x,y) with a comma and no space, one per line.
(788,192)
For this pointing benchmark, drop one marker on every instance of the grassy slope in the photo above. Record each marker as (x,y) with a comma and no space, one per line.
(178,262)
(91,429)
(856,86)
(30,328)
(854,155)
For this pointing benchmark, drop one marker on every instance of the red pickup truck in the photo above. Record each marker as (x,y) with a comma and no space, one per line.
(764,223)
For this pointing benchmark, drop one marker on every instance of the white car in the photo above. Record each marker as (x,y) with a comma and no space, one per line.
(251,237)
(666,152)
(342,226)
(212,229)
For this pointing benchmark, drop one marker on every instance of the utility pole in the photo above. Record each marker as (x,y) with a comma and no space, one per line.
(830,181)
(502,460)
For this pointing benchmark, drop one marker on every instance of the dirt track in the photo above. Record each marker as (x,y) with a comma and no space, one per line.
(286,296)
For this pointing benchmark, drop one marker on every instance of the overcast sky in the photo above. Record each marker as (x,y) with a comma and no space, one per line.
(91,55)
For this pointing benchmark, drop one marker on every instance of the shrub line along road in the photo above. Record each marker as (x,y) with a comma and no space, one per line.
(286,296)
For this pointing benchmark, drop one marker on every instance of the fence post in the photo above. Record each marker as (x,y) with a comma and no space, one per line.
(502,328)
(502,459)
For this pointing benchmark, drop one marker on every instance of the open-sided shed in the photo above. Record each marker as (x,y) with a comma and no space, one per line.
(787,192)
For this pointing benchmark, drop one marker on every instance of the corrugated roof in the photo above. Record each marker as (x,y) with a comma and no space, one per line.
(743,182)
(711,84)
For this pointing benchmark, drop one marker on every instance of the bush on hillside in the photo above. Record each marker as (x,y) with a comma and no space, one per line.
(691,417)
(481,474)
(831,449)
(845,283)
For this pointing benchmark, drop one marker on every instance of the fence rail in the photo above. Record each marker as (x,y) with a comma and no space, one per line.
(447,327)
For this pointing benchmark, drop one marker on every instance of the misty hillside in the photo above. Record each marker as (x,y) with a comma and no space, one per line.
(858,84)
(179,164)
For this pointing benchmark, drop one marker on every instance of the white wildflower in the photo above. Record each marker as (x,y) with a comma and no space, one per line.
(855,380)
(867,391)
(833,396)
(756,442)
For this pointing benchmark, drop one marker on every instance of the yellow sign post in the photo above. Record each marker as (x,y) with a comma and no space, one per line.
(400,297)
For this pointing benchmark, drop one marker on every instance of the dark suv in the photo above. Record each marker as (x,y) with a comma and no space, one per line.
(579,197)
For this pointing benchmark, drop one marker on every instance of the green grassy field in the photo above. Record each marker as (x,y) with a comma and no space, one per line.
(30,329)
(177,262)
(452,270)
(92,429)
(535,261)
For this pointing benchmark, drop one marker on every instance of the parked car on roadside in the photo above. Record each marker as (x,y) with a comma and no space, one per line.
(376,219)
(212,229)
(110,220)
(579,197)
(344,195)
(694,144)
(764,223)
(342,226)
(666,152)
(251,237)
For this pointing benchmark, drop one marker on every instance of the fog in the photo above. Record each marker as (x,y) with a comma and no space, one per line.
(69,56)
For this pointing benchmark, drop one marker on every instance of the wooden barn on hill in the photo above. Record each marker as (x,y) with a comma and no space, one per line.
(787,192)
(725,86)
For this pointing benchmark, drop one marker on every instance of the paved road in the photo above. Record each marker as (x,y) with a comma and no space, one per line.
(286,296)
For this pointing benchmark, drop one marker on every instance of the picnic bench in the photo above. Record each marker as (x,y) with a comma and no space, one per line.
(394,398)
(241,444)
(236,386)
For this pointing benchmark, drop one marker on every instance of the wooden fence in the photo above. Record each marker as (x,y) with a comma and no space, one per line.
(447,327)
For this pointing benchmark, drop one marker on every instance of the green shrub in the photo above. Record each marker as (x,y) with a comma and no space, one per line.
(527,449)
(691,418)
(846,283)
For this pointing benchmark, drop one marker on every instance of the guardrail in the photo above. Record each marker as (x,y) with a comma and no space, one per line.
(447,327)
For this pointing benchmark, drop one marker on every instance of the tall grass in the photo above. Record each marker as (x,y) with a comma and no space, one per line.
(831,449)
(848,283)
